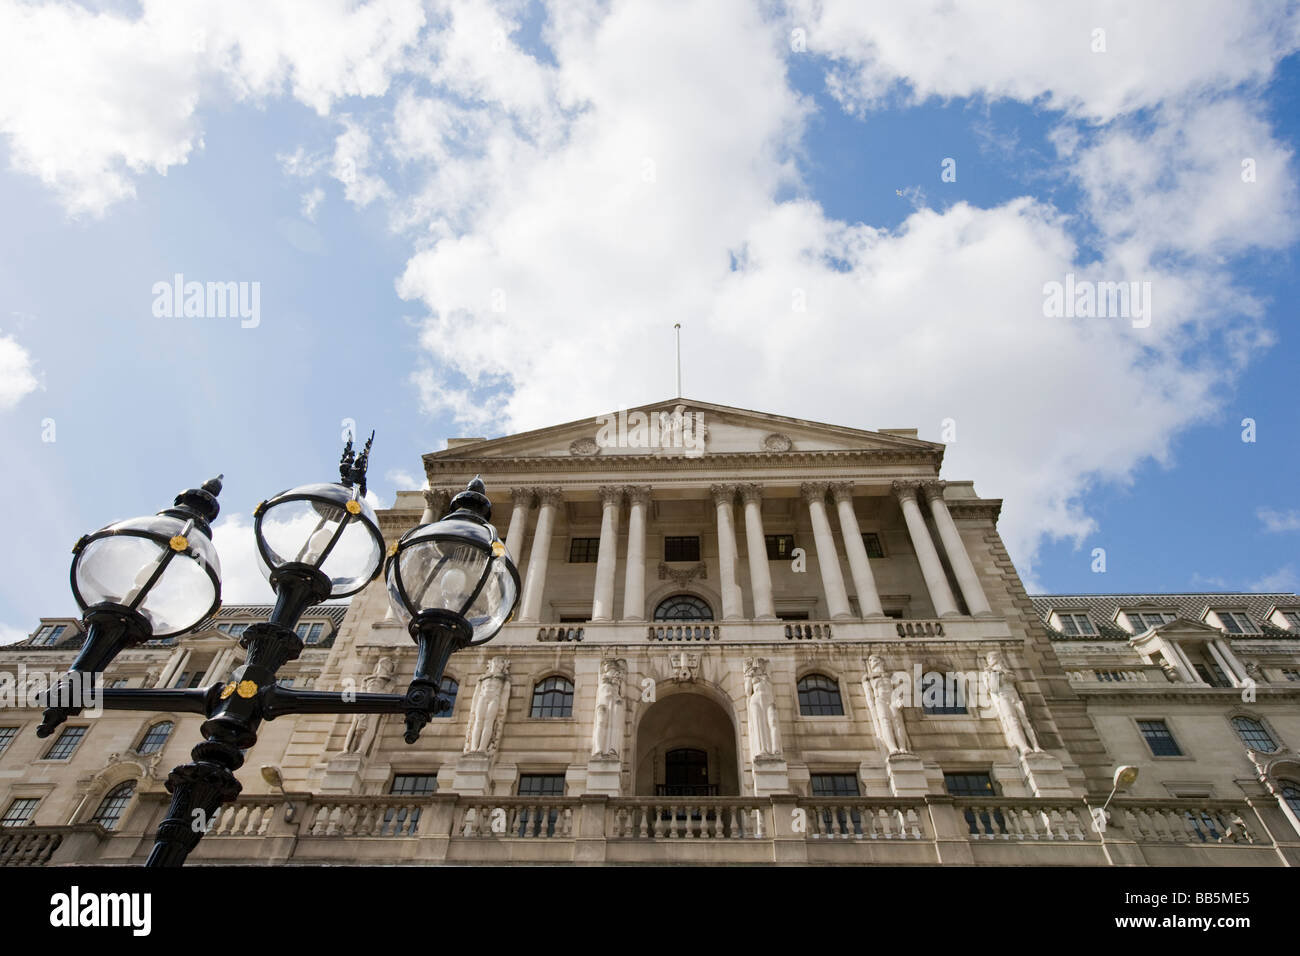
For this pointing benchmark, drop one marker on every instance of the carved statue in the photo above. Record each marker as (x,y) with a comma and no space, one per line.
(487,712)
(684,665)
(365,727)
(607,735)
(1254,671)
(764,728)
(886,707)
(1008,705)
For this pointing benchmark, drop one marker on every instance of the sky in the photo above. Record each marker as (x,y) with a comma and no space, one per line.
(468,218)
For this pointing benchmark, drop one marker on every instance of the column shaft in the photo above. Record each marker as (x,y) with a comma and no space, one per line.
(638,498)
(864,582)
(602,604)
(523,501)
(539,556)
(732,603)
(936,582)
(828,559)
(969,582)
(760,577)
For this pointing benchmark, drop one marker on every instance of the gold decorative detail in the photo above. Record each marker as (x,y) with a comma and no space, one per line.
(353,507)
(258,510)
(498,549)
(246,688)
(178,542)
(392,549)
(227,690)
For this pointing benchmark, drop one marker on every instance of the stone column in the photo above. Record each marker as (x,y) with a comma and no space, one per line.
(602,604)
(760,578)
(638,499)
(936,582)
(828,559)
(733,607)
(531,606)
(1227,660)
(523,501)
(969,582)
(175,664)
(436,503)
(864,582)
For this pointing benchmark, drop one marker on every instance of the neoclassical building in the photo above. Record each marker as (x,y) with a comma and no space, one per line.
(742,638)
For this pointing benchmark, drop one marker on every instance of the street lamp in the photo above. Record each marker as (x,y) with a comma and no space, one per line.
(451,580)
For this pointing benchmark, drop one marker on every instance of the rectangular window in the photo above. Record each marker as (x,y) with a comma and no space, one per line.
(1159,739)
(310,633)
(20,812)
(779,546)
(871,541)
(48,634)
(7,734)
(1236,622)
(1076,624)
(414,784)
(584,550)
(1148,619)
(66,744)
(943,697)
(834,785)
(1292,619)
(1212,674)
(792,615)
(969,785)
(681,549)
(119,682)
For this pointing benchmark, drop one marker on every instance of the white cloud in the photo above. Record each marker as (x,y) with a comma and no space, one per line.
(1284,579)
(311,202)
(11,635)
(89,101)
(241,579)
(403,480)
(16,376)
(1275,521)
(351,164)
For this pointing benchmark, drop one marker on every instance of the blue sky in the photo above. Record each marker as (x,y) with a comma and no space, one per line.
(601,169)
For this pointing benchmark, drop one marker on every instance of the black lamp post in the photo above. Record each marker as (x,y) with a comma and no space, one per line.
(452,581)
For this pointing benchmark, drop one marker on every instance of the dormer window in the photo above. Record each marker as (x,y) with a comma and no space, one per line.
(48,634)
(1292,619)
(1142,621)
(310,633)
(1076,624)
(1235,622)
(234,630)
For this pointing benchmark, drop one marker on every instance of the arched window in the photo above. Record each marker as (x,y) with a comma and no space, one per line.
(1291,794)
(155,737)
(1253,734)
(448,689)
(114,803)
(553,697)
(819,696)
(683,607)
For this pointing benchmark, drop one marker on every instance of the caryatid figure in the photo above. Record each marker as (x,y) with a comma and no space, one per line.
(361,734)
(886,707)
(764,727)
(607,734)
(1007,704)
(488,708)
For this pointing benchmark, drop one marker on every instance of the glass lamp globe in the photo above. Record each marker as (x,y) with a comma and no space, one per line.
(326,526)
(456,566)
(163,567)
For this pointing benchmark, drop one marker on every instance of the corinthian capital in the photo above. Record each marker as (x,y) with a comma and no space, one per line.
(751,492)
(814,491)
(522,496)
(905,490)
(933,489)
(723,494)
(610,495)
(550,496)
(437,500)
(637,494)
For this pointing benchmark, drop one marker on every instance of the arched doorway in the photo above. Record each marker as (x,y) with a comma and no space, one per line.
(686,746)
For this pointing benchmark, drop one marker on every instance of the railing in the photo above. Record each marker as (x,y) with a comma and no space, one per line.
(1175,821)
(528,818)
(840,818)
(683,632)
(559,634)
(364,817)
(720,818)
(919,628)
(806,632)
(1025,820)
(28,846)
(686,790)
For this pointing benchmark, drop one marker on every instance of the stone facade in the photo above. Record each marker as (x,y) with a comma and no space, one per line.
(825,585)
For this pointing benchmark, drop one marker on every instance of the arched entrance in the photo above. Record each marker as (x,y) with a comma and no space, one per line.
(686,746)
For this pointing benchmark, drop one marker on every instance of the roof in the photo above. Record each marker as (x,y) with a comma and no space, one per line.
(1191,606)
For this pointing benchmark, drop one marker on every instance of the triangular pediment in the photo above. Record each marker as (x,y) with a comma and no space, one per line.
(685,428)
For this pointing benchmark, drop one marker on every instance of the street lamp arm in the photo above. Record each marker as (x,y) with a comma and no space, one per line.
(198,700)
(280,701)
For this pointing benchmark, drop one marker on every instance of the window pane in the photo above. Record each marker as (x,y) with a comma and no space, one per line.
(110,809)
(418,785)
(681,549)
(553,697)
(871,541)
(779,546)
(834,785)
(1159,739)
(683,607)
(819,696)
(1254,735)
(448,689)
(19,812)
(66,744)
(155,738)
(7,734)
(584,550)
